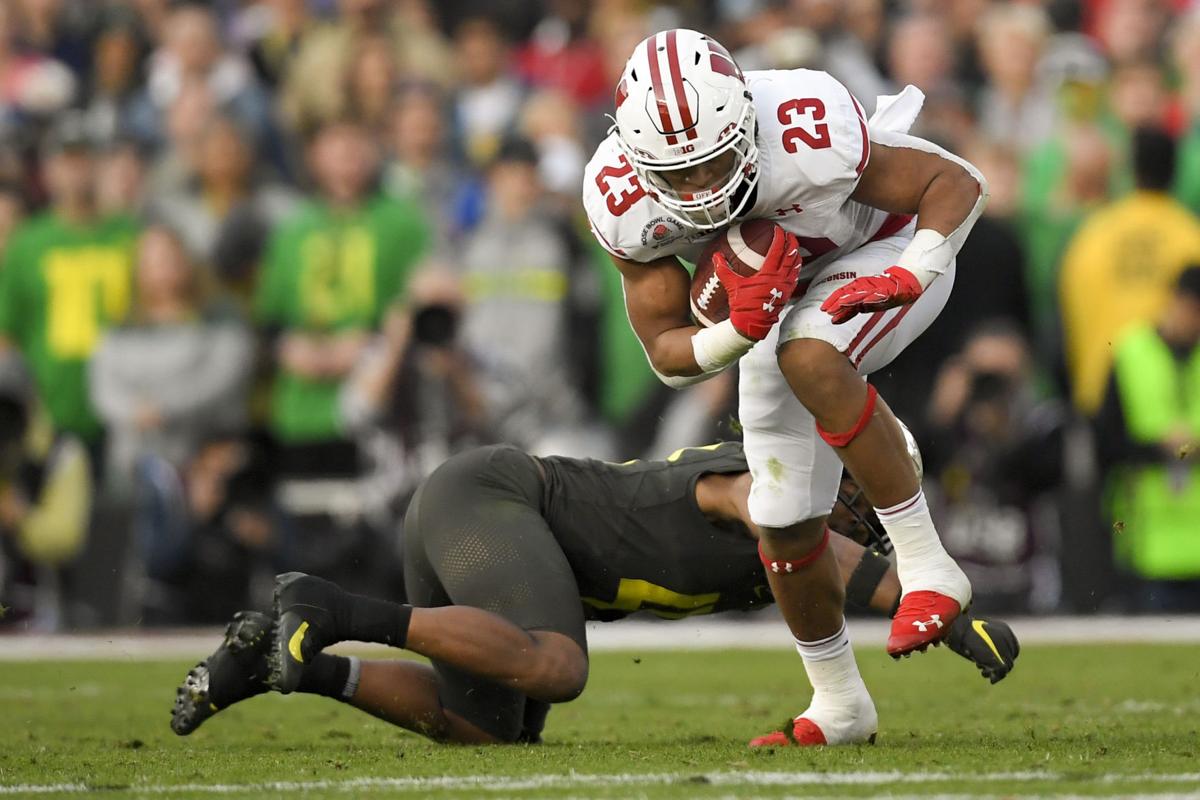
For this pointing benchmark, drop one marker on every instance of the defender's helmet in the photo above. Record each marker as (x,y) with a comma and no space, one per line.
(682,101)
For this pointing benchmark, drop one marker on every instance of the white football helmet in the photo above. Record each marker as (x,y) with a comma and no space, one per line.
(680,102)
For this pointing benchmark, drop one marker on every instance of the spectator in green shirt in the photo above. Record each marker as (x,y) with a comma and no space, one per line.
(65,278)
(331,271)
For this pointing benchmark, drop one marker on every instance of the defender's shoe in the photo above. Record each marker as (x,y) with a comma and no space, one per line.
(235,671)
(854,725)
(305,614)
(989,644)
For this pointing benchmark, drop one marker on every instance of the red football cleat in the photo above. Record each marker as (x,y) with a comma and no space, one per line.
(923,619)
(805,733)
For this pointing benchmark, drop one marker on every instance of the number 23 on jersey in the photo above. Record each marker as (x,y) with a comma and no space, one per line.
(619,202)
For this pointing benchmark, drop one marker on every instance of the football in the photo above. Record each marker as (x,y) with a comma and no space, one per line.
(745,246)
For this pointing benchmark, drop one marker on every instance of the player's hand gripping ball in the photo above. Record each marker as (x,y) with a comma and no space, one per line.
(747,275)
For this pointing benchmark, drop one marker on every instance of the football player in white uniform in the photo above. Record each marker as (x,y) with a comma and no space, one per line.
(874,218)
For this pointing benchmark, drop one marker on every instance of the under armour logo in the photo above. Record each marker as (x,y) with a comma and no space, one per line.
(786,566)
(934,619)
(775,296)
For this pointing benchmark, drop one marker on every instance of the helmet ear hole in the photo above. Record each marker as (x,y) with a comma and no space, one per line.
(697,59)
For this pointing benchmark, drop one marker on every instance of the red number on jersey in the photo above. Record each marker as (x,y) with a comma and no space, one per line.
(790,111)
(618,204)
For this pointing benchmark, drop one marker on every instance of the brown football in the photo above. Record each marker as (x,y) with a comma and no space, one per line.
(745,246)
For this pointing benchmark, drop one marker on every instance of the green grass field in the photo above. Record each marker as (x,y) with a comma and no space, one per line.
(1086,720)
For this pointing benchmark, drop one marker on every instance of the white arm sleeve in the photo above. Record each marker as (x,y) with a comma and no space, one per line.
(930,253)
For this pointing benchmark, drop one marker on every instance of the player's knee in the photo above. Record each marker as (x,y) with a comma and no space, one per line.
(815,370)
(796,539)
(560,671)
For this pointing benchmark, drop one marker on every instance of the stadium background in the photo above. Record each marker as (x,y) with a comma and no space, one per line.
(265,264)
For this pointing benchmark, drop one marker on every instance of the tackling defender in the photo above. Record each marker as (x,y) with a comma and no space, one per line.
(505,556)
(873,217)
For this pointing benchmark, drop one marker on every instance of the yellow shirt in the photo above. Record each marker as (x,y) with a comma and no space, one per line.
(1118,270)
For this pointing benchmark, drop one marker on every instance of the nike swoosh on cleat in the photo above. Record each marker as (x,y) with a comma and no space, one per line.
(977,626)
(298,639)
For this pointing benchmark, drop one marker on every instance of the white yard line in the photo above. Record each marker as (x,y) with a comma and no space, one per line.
(491,784)
(752,632)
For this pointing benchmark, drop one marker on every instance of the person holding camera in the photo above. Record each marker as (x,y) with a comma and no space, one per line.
(412,400)
(995,454)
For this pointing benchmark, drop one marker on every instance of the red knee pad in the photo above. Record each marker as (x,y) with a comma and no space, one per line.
(843,439)
(787,566)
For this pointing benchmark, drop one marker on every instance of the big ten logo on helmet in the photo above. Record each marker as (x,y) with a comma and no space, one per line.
(682,150)
(661,231)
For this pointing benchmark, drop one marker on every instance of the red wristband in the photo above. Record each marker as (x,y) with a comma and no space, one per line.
(788,566)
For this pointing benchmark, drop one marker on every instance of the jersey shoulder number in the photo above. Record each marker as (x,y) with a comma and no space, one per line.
(815,133)
(624,219)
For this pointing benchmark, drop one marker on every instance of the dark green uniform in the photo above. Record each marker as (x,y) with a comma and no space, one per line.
(546,543)
(636,540)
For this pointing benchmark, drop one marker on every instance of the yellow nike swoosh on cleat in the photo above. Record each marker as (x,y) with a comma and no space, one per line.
(298,639)
(977,626)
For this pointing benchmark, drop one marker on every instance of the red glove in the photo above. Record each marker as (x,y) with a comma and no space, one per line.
(895,287)
(756,301)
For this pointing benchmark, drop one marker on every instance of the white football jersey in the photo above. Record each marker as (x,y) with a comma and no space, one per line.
(813,143)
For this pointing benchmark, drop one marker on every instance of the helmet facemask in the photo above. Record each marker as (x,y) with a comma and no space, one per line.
(717,206)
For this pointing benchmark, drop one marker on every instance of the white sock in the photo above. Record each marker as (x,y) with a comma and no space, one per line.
(841,705)
(830,665)
(921,561)
(351,687)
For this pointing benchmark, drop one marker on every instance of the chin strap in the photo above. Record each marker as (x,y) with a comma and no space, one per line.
(788,566)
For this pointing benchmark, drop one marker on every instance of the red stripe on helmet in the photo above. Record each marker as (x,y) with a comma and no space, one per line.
(664,111)
(621,94)
(721,62)
(685,111)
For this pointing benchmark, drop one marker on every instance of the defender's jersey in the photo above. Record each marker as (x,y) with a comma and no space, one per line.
(637,540)
(813,143)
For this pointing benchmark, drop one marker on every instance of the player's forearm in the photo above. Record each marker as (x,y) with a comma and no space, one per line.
(671,354)
(883,595)
(949,200)
(946,193)
(690,355)
(541,664)
(405,693)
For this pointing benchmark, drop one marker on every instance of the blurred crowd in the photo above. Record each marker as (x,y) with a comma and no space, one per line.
(266,263)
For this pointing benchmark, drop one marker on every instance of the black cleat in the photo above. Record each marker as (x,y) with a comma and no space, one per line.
(235,671)
(304,626)
(989,644)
